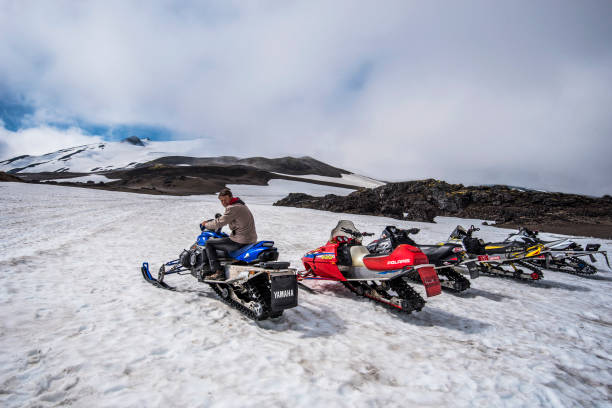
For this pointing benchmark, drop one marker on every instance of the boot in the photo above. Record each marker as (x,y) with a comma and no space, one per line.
(201,274)
(218,276)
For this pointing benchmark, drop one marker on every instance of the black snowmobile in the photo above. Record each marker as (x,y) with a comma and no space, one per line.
(509,259)
(256,285)
(563,255)
(447,257)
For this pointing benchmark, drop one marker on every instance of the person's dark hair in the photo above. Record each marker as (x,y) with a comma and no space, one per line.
(225,192)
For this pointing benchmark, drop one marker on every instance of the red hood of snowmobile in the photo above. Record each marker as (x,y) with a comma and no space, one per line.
(403,255)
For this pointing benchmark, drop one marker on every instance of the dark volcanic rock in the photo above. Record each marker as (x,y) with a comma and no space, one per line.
(287,165)
(135,140)
(423,200)
(14,159)
(9,177)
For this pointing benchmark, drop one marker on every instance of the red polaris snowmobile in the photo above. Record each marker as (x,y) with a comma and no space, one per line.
(379,277)
(448,258)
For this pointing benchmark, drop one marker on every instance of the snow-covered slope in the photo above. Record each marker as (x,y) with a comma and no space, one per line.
(79,327)
(124,155)
(350,179)
(101,156)
(279,188)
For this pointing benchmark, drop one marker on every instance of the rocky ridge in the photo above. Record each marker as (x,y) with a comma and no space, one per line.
(423,200)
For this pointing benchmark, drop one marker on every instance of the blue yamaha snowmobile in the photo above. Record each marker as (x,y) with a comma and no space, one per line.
(256,285)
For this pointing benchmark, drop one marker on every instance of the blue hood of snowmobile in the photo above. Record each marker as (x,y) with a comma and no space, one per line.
(246,253)
(207,234)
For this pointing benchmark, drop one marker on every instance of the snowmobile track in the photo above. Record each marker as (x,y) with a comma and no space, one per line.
(254,291)
(410,299)
(455,281)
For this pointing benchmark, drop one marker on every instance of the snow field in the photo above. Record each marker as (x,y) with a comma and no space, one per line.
(79,326)
(351,179)
(96,178)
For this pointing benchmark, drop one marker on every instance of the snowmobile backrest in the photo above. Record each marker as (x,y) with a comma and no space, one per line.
(474,246)
(357,254)
(341,231)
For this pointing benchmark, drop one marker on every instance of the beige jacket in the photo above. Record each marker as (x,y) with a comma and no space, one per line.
(241,222)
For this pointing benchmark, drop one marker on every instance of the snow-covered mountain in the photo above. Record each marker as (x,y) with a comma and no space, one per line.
(133,152)
(99,156)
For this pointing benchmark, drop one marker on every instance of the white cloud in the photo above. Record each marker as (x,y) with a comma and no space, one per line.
(472,91)
(40,140)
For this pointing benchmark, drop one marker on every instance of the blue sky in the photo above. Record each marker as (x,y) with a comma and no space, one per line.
(468,91)
(17,116)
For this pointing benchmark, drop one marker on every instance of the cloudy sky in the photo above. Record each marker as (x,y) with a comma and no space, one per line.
(477,92)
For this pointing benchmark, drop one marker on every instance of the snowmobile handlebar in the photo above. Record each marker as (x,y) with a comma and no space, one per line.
(357,233)
(202,227)
(528,231)
(472,229)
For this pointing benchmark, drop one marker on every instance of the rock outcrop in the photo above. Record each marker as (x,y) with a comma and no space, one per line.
(423,200)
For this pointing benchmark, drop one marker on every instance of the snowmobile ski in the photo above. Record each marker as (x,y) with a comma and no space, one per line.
(255,284)
(146,274)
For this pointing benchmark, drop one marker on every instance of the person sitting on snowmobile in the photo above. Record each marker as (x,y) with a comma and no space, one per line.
(240,220)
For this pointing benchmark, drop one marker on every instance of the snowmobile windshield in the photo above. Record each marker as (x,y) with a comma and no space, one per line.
(397,236)
(516,236)
(526,232)
(458,233)
(346,229)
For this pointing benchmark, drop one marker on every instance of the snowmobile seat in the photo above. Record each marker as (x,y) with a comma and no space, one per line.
(259,251)
(357,254)
(436,253)
(500,247)
(236,253)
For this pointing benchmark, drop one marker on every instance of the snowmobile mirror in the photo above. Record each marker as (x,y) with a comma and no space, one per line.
(217,215)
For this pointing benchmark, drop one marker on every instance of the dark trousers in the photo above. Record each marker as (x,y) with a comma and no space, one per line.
(223,244)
